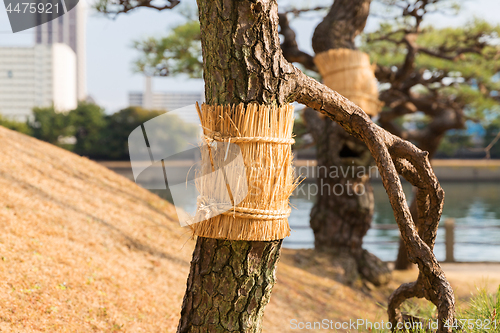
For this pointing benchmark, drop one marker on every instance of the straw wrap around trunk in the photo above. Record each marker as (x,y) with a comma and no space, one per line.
(264,136)
(350,73)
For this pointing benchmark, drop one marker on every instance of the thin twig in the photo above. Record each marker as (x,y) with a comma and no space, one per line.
(487,149)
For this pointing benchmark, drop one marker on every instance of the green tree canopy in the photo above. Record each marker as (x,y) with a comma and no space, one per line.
(123,122)
(457,67)
(49,125)
(87,123)
(177,53)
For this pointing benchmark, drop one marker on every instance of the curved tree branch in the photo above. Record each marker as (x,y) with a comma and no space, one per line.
(392,155)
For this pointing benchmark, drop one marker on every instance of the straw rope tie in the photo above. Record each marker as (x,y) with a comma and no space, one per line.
(264,135)
(210,207)
(246,139)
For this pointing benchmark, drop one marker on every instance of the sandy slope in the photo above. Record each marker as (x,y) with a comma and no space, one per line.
(83,249)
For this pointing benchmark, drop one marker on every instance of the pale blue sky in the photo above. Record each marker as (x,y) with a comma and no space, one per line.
(109,56)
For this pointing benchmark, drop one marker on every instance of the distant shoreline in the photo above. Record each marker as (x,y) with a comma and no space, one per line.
(445,169)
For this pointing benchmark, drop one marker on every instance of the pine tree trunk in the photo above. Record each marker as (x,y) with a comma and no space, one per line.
(344,207)
(243,63)
(230,282)
(229,285)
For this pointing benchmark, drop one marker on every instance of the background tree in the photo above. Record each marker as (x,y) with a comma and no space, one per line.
(243,63)
(102,136)
(88,124)
(15,125)
(177,53)
(89,131)
(339,221)
(437,78)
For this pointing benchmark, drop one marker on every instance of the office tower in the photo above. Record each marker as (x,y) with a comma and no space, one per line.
(166,100)
(38,76)
(68,29)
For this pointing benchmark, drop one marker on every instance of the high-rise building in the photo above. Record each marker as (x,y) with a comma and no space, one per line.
(67,29)
(168,101)
(38,76)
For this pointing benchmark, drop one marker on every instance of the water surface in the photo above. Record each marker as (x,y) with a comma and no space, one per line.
(474,206)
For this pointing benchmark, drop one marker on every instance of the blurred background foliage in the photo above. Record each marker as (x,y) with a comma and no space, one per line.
(177,53)
(466,69)
(466,80)
(89,131)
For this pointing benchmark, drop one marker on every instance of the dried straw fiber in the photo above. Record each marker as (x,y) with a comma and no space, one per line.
(350,74)
(264,136)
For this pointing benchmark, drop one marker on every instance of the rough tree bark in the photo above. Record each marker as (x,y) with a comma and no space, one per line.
(229,285)
(242,62)
(230,282)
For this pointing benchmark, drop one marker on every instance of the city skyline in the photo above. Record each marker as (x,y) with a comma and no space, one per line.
(38,76)
(110,55)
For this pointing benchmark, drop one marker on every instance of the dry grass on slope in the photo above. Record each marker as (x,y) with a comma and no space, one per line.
(83,249)
(308,290)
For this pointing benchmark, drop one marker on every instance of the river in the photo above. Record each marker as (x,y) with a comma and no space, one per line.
(474,206)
